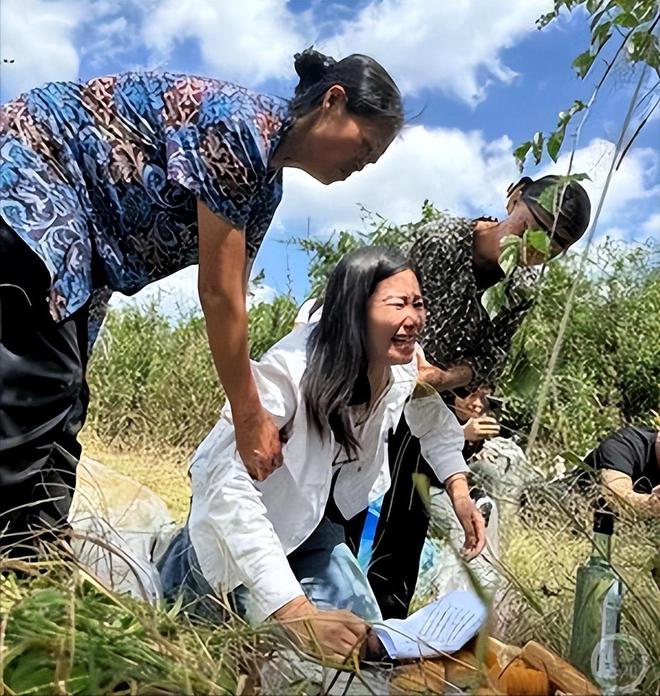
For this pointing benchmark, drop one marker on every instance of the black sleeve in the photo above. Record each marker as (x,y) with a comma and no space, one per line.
(615,454)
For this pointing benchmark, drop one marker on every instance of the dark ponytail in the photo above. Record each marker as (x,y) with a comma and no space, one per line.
(311,67)
(370,91)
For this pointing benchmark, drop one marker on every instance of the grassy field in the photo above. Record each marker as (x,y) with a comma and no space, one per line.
(540,555)
(165,473)
(61,632)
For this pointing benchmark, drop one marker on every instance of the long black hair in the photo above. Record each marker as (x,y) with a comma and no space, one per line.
(336,374)
(370,91)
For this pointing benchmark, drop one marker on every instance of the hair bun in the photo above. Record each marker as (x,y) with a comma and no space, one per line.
(311,66)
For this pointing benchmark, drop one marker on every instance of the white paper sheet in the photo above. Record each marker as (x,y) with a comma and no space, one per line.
(444,626)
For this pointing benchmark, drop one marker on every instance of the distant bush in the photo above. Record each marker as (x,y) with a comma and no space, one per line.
(152,380)
(608,372)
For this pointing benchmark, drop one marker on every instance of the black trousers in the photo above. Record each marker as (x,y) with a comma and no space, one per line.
(402,527)
(43,402)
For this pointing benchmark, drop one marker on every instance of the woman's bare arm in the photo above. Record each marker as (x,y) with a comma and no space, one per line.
(443,380)
(222,285)
(621,486)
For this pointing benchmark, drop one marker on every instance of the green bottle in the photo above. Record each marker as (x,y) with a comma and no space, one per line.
(597,609)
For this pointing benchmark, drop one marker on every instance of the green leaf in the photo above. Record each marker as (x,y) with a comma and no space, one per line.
(566,116)
(554,142)
(520,153)
(259,278)
(494,299)
(537,146)
(510,241)
(548,197)
(576,107)
(626,5)
(539,240)
(578,176)
(548,17)
(643,47)
(557,137)
(428,211)
(583,63)
(627,20)
(510,247)
(572,458)
(422,485)
(599,15)
(600,37)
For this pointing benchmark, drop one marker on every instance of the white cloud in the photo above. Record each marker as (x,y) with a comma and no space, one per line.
(38,36)
(454,47)
(250,40)
(458,171)
(632,184)
(651,227)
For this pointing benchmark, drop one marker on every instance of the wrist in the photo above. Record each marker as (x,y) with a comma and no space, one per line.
(457,486)
(247,406)
(294,608)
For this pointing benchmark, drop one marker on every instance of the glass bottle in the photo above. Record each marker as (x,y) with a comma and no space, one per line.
(597,608)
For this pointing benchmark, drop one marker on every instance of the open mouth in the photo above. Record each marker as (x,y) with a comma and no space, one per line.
(406,342)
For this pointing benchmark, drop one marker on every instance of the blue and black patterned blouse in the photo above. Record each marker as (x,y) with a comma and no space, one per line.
(101,179)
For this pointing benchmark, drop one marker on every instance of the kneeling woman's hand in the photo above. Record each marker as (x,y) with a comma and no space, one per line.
(468,515)
(332,635)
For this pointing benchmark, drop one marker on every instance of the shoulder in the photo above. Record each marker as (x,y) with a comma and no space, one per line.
(623,446)
(252,121)
(290,352)
(210,102)
(444,234)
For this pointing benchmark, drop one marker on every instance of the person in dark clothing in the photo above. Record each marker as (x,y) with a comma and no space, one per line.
(394,565)
(628,465)
(465,345)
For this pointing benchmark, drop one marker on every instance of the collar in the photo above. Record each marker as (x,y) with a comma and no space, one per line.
(276,138)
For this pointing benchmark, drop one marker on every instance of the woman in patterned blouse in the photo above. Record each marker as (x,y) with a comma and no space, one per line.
(110,185)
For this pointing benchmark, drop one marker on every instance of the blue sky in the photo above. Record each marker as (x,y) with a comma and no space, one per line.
(483,77)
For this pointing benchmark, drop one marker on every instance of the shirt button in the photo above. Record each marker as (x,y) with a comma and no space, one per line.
(359,468)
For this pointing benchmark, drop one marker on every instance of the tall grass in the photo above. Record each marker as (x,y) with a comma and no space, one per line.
(62,632)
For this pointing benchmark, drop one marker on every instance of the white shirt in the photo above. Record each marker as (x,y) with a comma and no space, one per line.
(243,530)
(304,315)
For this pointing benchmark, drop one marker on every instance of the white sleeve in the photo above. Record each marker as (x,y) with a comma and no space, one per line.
(235,525)
(304,315)
(440,434)
(277,392)
(229,527)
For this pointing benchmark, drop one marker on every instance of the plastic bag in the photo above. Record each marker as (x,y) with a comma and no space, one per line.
(119,528)
(441,568)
